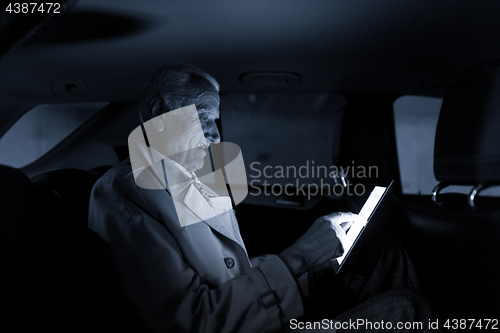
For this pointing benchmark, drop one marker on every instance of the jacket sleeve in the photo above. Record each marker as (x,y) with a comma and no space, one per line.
(303,280)
(168,293)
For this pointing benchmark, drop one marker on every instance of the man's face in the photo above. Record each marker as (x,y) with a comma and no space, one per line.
(207,101)
(208,111)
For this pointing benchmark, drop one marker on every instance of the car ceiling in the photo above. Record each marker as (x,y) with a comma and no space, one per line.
(399,47)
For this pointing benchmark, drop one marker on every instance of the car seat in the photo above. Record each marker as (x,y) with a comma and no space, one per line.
(454,239)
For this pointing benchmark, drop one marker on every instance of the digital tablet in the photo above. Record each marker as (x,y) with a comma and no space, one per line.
(364,216)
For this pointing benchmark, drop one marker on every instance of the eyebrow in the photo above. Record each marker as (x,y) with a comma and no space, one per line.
(212,113)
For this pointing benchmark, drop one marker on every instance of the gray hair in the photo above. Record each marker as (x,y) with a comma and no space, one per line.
(172,83)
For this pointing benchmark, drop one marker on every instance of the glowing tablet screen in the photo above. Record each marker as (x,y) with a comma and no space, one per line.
(363,217)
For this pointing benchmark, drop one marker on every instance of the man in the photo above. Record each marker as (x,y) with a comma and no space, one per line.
(196,276)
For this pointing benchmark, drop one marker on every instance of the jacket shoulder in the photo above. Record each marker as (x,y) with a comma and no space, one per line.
(119,176)
(117,189)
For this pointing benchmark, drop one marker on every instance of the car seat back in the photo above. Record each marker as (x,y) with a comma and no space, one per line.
(454,239)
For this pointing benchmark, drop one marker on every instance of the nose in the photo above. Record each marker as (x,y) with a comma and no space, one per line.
(212,133)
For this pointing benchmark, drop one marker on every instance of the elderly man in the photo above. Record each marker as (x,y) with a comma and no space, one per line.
(197,277)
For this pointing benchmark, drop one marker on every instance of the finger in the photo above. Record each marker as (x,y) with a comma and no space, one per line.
(340,235)
(338,231)
(346,225)
(339,217)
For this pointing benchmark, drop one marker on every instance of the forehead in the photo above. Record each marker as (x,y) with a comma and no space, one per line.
(205,96)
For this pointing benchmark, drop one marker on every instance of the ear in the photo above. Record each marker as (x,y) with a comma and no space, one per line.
(157,105)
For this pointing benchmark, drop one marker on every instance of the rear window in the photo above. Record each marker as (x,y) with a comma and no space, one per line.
(286,138)
(41,129)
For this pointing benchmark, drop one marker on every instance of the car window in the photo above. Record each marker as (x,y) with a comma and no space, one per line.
(41,129)
(292,136)
(416,120)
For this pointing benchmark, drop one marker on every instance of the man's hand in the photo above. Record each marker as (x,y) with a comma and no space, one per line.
(321,242)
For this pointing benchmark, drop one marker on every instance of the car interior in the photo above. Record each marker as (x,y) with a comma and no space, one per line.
(319,95)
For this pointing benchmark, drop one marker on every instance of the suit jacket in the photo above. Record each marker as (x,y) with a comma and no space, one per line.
(195,278)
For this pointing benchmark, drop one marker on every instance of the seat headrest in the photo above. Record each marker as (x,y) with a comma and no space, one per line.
(17,193)
(467,146)
(65,190)
(19,208)
(14,180)
(63,182)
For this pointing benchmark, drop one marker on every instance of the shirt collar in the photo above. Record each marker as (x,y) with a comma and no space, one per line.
(178,177)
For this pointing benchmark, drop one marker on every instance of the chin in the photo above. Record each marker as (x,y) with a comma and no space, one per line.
(198,167)
(193,167)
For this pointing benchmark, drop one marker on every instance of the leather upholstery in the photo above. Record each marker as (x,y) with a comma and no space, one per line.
(22,254)
(455,248)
